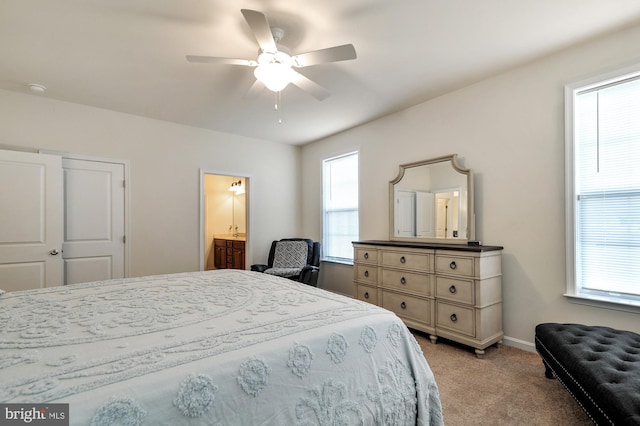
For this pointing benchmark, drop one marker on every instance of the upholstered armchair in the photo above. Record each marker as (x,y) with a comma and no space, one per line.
(294,258)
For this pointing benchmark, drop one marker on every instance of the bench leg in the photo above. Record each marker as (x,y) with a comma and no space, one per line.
(548,373)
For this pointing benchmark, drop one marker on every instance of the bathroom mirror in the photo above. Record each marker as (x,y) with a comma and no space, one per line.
(432,201)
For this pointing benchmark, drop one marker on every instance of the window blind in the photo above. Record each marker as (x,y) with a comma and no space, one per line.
(340,200)
(607,188)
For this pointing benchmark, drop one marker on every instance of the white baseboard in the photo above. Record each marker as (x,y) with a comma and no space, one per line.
(520,344)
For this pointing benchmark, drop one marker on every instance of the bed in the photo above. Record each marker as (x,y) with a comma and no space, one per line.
(223,347)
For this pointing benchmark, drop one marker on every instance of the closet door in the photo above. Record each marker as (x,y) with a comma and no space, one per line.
(30,220)
(94,232)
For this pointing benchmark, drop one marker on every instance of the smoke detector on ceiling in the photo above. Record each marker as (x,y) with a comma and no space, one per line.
(37,88)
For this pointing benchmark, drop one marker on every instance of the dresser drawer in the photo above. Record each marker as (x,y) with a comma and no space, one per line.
(366,273)
(366,256)
(456,318)
(456,290)
(367,294)
(399,259)
(406,281)
(456,265)
(408,307)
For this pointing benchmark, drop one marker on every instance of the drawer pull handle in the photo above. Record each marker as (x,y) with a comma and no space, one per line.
(403,280)
(366,273)
(402,259)
(452,289)
(453,265)
(366,295)
(403,305)
(453,317)
(366,255)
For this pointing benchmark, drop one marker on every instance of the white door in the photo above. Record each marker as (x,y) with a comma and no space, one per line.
(94,236)
(30,220)
(425,205)
(405,216)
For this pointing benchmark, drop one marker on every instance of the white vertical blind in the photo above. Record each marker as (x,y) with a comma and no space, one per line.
(340,201)
(607,188)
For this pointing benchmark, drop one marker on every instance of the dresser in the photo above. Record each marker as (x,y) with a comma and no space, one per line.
(446,290)
(228,253)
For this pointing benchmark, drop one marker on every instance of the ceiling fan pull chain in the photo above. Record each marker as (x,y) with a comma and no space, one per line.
(278,106)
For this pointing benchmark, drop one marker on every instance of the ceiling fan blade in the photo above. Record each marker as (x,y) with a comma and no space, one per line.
(216,60)
(256,88)
(330,54)
(261,30)
(310,86)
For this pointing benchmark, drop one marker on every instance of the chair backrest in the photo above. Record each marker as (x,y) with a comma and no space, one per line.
(310,253)
(290,254)
(314,254)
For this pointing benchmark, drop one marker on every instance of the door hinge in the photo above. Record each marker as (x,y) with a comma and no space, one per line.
(124,239)
(124,183)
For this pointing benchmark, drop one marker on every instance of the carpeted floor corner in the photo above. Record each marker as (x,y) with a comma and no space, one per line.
(507,387)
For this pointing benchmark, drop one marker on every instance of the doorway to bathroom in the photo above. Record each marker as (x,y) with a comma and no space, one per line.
(224,222)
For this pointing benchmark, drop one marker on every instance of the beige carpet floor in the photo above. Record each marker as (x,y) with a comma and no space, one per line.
(507,387)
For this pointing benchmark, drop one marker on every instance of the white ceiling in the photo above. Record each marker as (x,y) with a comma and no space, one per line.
(129,55)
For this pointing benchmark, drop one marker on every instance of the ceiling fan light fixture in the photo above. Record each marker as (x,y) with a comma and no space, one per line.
(274,67)
(274,75)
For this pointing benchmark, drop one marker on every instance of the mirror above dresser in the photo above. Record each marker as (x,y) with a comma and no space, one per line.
(432,201)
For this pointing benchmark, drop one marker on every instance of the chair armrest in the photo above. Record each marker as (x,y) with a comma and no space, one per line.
(306,268)
(309,275)
(259,268)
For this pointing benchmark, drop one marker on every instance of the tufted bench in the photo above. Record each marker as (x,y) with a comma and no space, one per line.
(599,366)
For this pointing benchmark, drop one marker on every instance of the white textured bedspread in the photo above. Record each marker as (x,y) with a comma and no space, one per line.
(221,347)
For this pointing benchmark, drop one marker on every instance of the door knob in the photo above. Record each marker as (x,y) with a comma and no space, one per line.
(54,252)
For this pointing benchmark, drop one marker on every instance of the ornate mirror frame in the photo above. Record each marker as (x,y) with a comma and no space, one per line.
(419,208)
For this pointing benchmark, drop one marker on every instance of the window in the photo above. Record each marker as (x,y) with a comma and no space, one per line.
(603,189)
(340,206)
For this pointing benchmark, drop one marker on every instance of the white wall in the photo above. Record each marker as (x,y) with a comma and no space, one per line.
(165,160)
(510,130)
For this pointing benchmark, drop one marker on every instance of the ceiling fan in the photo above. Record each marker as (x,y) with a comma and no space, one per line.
(274,67)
